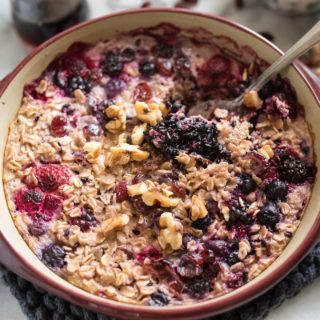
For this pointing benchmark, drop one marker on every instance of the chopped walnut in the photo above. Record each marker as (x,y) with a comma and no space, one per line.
(117,114)
(186,159)
(251,99)
(80,96)
(137,135)
(114,223)
(198,208)
(93,150)
(42,87)
(149,113)
(124,153)
(137,189)
(171,234)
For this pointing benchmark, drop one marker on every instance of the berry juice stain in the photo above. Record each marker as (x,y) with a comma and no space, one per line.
(36,21)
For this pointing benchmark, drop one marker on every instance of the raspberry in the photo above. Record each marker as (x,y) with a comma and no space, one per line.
(52,206)
(53,256)
(59,126)
(52,176)
(121,192)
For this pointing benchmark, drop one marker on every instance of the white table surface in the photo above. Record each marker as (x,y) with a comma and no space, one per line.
(306,306)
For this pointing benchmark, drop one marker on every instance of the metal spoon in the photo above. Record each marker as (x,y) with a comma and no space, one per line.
(311,38)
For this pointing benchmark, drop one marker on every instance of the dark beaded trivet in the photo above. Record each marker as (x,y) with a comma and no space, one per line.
(37,304)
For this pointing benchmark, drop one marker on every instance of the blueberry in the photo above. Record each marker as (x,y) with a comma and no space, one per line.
(219,247)
(276,190)
(112,64)
(158,299)
(203,223)
(164,50)
(147,68)
(38,228)
(233,258)
(114,87)
(53,256)
(269,215)
(293,170)
(246,183)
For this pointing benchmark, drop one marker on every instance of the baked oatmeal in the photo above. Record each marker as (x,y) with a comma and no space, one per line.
(125,182)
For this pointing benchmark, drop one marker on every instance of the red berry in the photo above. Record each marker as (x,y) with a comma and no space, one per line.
(52,205)
(178,190)
(121,192)
(148,252)
(52,176)
(142,92)
(164,67)
(59,126)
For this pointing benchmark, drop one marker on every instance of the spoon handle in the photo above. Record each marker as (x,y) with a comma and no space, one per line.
(311,38)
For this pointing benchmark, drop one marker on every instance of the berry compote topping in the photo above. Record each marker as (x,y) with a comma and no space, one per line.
(59,126)
(112,64)
(52,205)
(158,299)
(269,215)
(188,267)
(246,183)
(150,252)
(86,220)
(189,134)
(276,190)
(52,176)
(54,256)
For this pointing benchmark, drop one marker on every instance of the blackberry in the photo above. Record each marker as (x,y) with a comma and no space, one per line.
(53,256)
(246,183)
(238,214)
(77,82)
(198,287)
(33,196)
(147,68)
(233,258)
(112,64)
(293,170)
(203,223)
(269,215)
(164,50)
(158,299)
(128,54)
(86,220)
(276,190)
(190,134)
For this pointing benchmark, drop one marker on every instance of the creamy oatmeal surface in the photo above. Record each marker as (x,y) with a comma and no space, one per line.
(120,187)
